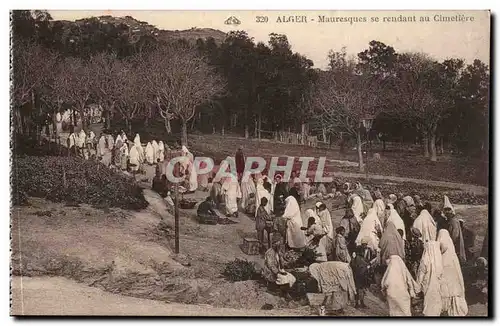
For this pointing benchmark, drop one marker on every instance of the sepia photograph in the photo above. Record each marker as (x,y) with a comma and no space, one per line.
(250,163)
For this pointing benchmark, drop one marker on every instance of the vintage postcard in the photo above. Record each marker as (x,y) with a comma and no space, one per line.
(250,163)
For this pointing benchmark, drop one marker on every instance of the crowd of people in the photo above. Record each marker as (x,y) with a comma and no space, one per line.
(403,245)
(399,243)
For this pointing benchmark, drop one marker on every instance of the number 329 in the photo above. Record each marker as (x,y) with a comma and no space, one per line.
(261,19)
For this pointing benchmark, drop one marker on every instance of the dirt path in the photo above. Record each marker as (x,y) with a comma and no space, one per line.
(60,296)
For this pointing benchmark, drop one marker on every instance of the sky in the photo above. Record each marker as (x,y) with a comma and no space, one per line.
(314,39)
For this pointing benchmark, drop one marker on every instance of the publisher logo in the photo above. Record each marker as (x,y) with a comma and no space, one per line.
(232,21)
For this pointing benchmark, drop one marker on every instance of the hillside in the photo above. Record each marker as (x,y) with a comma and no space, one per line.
(134,29)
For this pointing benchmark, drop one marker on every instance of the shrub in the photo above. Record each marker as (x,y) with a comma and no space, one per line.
(240,270)
(87,182)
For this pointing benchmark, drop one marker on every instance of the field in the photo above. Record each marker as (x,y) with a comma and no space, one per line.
(392,163)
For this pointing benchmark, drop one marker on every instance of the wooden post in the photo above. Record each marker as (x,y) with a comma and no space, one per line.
(176,213)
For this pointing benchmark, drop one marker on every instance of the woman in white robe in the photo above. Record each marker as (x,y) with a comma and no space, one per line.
(247,188)
(134,158)
(357,206)
(327,225)
(149,155)
(369,227)
(452,283)
(399,287)
(295,237)
(187,153)
(161,151)
(119,138)
(58,123)
(426,225)
(231,191)
(396,220)
(111,142)
(138,147)
(101,146)
(261,192)
(124,156)
(81,139)
(154,144)
(429,277)
(192,176)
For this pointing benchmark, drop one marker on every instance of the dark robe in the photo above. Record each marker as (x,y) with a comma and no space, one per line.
(240,162)
(295,193)
(484,250)
(400,207)
(159,186)
(455,232)
(469,241)
(279,203)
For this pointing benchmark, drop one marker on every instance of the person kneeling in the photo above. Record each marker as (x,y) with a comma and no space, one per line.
(206,213)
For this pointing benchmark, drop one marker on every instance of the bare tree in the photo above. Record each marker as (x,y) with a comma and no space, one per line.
(74,84)
(131,92)
(33,67)
(344,97)
(415,96)
(107,86)
(180,80)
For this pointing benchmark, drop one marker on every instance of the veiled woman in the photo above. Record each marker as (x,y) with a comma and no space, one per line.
(452,284)
(295,237)
(399,287)
(429,277)
(426,225)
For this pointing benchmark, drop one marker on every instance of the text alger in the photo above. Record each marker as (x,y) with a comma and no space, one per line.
(291,19)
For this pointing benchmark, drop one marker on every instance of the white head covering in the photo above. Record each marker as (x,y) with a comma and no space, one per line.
(409,201)
(318,204)
(369,229)
(447,204)
(118,138)
(392,199)
(312,213)
(396,220)
(426,225)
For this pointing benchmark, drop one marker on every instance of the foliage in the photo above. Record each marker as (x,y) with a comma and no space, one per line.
(73,180)
(269,87)
(240,270)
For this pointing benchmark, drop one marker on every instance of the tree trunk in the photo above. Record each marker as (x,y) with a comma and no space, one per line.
(360,152)
(304,134)
(193,122)
(425,140)
(184,135)
(82,116)
(260,126)
(255,128)
(222,130)
(323,130)
(127,126)
(441,146)
(247,133)
(168,127)
(432,145)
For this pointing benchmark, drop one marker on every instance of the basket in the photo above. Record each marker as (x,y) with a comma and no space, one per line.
(187,203)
